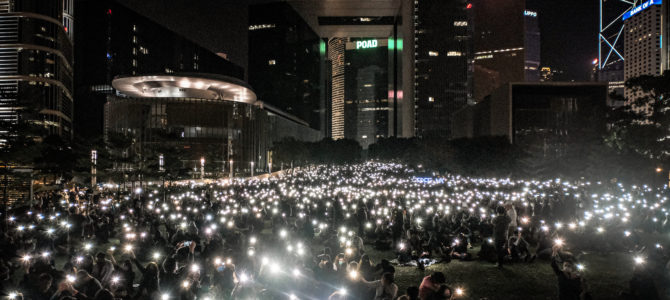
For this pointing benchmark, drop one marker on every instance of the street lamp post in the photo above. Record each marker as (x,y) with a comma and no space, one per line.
(94,163)
(231,170)
(270,168)
(202,168)
(252,169)
(161,169)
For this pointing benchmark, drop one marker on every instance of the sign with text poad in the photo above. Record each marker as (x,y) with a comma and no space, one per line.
(365,44)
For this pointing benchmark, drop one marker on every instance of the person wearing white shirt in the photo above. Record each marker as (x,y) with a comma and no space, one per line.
(385,289)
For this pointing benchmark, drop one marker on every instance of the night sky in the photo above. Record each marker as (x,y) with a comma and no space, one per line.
(569,28)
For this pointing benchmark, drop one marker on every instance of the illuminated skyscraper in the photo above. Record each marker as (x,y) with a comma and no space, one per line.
(506,42)
(443,64)
(284,61)
(36,64)
(366,104)
(336,56)
(644,32)
(36,71)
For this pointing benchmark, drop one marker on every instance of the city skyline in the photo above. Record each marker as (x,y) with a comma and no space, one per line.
(334,149)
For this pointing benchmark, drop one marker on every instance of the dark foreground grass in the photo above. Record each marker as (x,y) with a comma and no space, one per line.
(606,276)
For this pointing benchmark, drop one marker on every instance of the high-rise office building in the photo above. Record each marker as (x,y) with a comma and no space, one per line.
(443,64)
(138,78)
(665,41)
(284,61)
(506,42)
(336,48)
(366,104)
(644,34)
(613,74)
(114,40)
(531,45)
(36,64)
(337,21)
(36,69)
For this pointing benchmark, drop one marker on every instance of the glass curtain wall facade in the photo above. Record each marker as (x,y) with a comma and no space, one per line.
(223,130)
(219,130)
(284,61)
(36,75)
(36,78)
(366,104)
(443,62)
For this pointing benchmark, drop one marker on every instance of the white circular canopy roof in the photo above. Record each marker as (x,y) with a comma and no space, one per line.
(202,86)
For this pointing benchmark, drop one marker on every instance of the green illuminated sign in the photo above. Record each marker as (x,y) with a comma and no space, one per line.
(395,44)
(366,44)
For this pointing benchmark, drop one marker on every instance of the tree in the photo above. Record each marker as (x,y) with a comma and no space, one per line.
(56,158)
(642,126)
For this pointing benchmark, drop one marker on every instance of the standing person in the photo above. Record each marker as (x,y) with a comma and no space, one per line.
(103,269)
(511,212)
(570,284)
(500,227)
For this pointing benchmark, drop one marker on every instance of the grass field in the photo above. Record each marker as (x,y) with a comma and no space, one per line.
(606,275)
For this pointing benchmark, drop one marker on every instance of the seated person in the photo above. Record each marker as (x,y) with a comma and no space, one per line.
(460,248)
(518,247)
(488,251)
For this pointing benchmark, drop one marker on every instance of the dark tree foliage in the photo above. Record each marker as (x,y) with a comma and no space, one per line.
(326,151)
(642,126)
(480,156)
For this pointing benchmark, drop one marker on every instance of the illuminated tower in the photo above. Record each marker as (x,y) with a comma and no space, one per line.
(644,28)
(36,64)
(443,64)
(336,56)
(506,44)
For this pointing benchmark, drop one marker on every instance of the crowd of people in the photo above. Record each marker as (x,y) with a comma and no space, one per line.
(309,234)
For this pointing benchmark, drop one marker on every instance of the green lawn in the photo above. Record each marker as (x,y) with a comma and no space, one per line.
(606,275)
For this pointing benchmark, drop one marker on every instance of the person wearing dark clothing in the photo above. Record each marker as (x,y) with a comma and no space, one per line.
(87,284)
(570,284)
(500,226)
(641,286)
(44,288)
